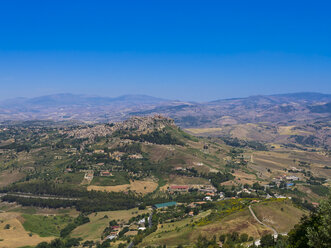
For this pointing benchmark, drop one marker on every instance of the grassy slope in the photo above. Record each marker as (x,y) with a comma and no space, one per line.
(182,232)
(280,214)
(94,229)
(45,226)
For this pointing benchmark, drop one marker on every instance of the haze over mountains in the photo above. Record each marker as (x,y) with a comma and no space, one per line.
(296,107)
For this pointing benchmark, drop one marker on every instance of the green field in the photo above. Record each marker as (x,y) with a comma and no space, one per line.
(73,178)
(118,178)
(45,226)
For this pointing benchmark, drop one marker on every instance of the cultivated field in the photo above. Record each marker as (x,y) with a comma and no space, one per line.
(138,186)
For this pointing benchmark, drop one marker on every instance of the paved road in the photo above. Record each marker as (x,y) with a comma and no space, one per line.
(150,220)
(40,196)
(130,245)
(274,230)
(150,223)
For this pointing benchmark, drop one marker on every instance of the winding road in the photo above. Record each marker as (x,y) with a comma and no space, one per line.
(273,229)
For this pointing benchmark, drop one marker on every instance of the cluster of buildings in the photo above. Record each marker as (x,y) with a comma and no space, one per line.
(285,178)
(116,155)
(114,232)
(132,229)
(199,187)
(244,190)
(89,175)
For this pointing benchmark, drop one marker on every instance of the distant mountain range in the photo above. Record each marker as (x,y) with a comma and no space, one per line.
(296,107)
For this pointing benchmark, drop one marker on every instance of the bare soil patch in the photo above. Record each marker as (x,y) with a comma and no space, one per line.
(139,186)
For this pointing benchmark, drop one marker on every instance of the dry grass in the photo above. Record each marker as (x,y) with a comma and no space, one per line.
(184,180)
(203,130)
(138,186)
(7,177)
(157,152)
(281,214)
(16,236)
(241,222)
(288,130)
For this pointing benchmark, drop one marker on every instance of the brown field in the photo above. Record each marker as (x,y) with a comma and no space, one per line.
(138,186)
(157,152)
(7,177)
(204,130)
(242,175)
(180,180)
(285,158)
(16,236)
(131,233)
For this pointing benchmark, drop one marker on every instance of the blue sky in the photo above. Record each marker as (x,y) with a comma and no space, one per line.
(188,50)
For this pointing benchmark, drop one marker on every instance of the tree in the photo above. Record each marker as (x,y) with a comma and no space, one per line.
(42,245)
(243,237)
(282,241)
(257,186)
(319,235)
(222,238)
(313,230)
(267,241)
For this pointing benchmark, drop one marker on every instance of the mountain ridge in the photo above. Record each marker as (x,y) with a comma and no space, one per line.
(301,106)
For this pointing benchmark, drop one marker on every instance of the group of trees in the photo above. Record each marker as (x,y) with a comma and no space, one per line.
(234,238)
(157,137)
(235,142)
(87,201)
(142,234)
(313,231)
(80,220)
(59,243)
(217,178)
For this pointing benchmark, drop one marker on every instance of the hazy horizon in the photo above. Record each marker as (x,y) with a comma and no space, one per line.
(146,95)
(188,50)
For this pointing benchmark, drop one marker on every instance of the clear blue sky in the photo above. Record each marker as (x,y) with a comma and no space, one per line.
(189,50)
